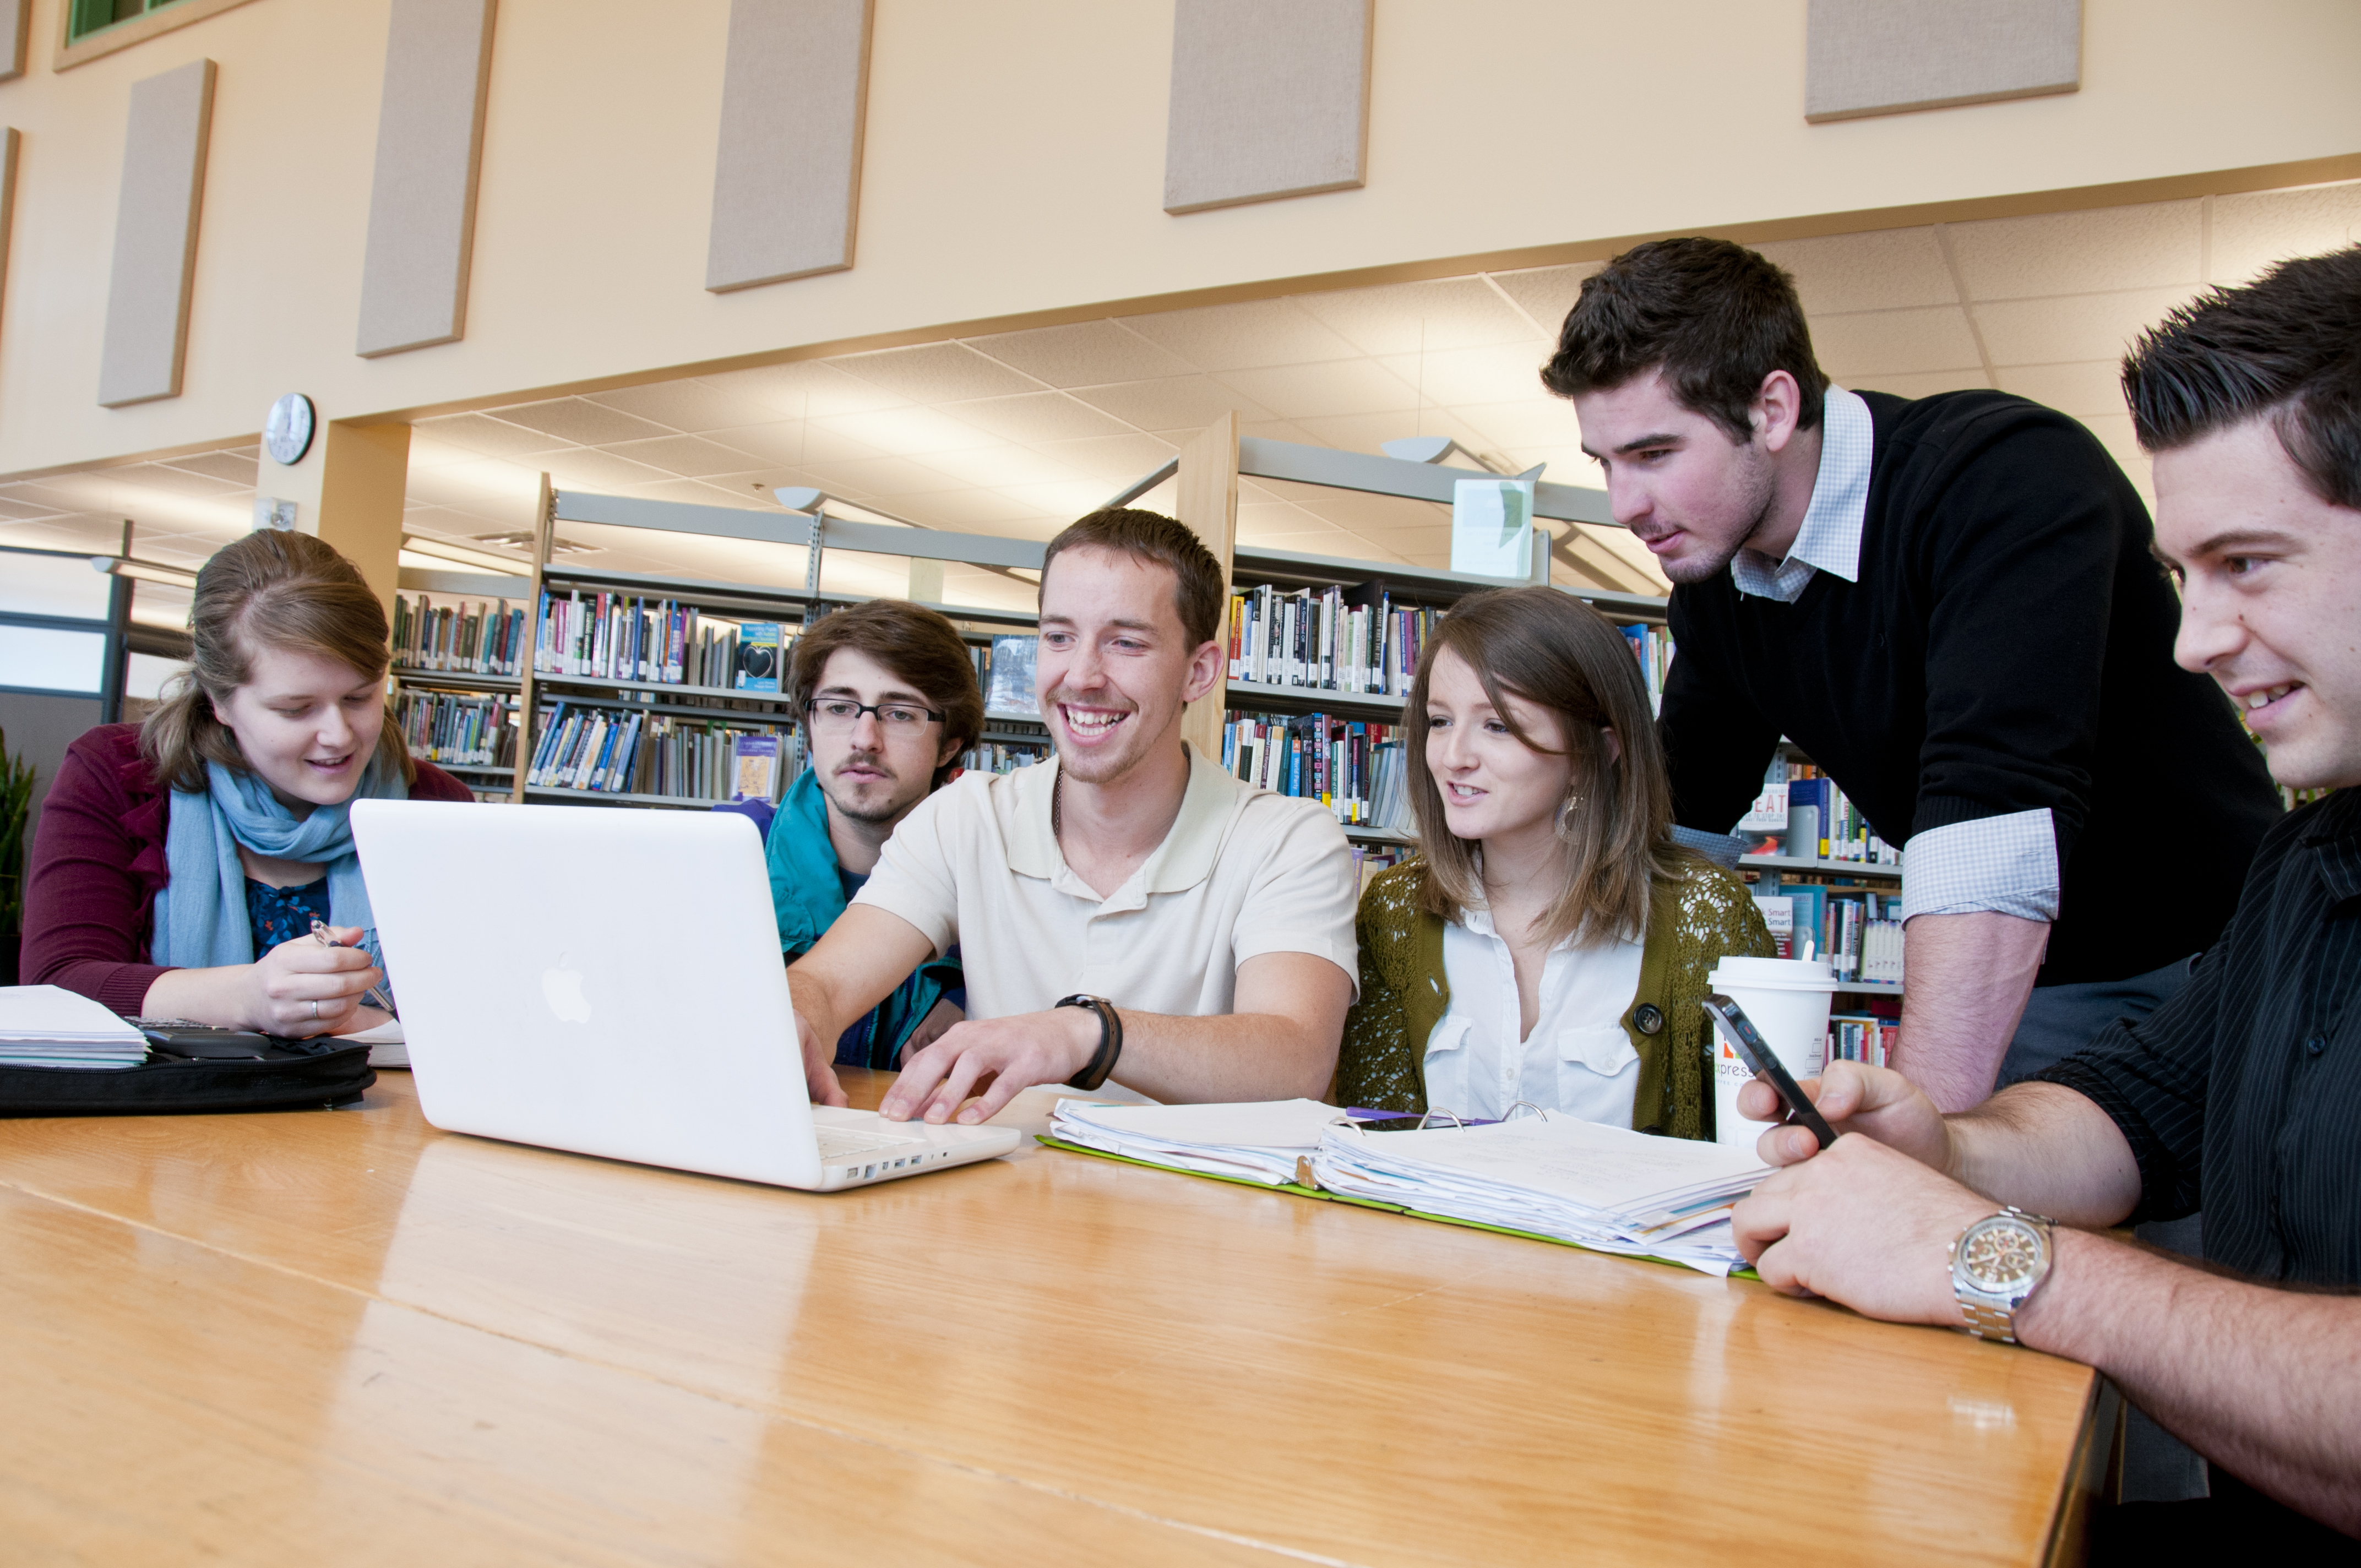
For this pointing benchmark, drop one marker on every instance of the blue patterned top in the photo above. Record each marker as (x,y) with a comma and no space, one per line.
(282,913)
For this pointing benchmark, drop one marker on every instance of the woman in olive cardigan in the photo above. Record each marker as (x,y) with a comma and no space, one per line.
(1551,945)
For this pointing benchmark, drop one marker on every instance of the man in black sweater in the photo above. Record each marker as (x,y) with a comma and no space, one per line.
(1950,604)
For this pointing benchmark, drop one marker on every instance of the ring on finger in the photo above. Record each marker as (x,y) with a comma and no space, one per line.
(316,1009)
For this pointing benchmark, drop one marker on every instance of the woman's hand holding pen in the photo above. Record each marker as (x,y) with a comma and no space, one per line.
(302,988)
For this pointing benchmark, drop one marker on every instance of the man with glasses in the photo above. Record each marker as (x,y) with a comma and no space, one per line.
(1128,912)
(888,698)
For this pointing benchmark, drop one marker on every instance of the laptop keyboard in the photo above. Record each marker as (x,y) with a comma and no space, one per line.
(839,1143)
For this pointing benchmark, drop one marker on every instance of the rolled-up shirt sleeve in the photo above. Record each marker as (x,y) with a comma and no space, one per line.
(2006,865)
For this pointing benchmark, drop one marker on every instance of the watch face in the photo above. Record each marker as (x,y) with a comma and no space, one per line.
(287,433)
(2001,1256)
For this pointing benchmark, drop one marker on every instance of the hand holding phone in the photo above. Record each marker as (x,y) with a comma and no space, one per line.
(1729,1020)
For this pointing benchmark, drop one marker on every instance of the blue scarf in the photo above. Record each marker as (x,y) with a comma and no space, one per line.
(200,916)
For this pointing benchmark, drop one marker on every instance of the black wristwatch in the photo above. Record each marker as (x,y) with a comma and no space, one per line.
(1110,1041)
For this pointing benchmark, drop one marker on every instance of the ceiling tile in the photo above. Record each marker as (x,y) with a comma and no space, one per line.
(909,431)
(1115,458)
(1338,387)
(58,496)
(795,441)
(1086,354)
(583,469)
(2251,231)
(172,481)
(1242,336)
(1406,318)
(688,405)
(1923,384)
(491,437)
(705,494)
(65,532)
(996,465)
(1074,498)
(880,478)
(971,511)
(1038,416)
(1547,294)
(1887,269)
(758,483)
(578,420)
(1369,432)
(1459,375)
(2103,250)
(1873,342)
(1175,402)
(937,373)
(1527,421)
(11,508)
(806,389)
(238,467)
(427,451)
(2092,388)
(686,454)
(2082,326)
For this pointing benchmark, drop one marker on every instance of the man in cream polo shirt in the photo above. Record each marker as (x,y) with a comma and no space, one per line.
(1129,911)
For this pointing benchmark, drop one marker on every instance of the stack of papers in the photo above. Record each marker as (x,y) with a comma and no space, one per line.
(1608,1189)
(46,1025)
(1259,1141)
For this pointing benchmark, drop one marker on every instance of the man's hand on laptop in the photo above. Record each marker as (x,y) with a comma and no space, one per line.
(992,1058)
(819,1066)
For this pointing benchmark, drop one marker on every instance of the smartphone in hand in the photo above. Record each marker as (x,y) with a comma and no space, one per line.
(1731,1020)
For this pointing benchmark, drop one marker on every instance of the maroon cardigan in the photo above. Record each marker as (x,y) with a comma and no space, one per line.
(98,861)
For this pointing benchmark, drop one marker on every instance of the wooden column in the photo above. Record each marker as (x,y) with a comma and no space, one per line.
(364,476)
(1208,504)
(545,537)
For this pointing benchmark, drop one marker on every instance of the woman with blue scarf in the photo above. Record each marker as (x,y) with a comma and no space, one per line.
(182,863)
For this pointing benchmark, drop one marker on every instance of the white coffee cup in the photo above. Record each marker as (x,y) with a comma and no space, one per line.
(1788,1000)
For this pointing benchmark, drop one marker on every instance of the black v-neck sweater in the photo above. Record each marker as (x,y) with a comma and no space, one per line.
(2008,648)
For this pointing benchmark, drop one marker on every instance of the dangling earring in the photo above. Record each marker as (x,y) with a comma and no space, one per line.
(1566,808)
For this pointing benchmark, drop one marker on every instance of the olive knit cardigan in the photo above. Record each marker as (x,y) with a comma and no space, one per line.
(1693,920)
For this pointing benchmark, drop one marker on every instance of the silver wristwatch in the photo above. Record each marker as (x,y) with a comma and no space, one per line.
(1996,1265)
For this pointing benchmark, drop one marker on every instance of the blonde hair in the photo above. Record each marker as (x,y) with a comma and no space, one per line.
(1557,653)
(270,589)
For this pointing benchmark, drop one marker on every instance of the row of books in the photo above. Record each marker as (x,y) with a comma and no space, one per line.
(1862,1037)
(1812,818)
(1352,766)
(628,636)
(1858,931)
(459,731)
(618,752)
(484,638)
(1340,640)
(1652,646)
(999,757)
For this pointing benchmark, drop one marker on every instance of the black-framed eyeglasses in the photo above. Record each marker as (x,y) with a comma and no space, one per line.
(840,713)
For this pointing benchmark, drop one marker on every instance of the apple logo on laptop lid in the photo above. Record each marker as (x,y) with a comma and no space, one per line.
(561,987)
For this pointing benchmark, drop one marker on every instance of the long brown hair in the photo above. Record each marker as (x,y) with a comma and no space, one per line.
(1559,653)
(270,589)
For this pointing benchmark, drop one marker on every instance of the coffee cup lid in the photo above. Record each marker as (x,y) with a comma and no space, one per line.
(1772,974)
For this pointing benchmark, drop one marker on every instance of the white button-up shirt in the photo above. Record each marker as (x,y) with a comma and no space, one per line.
(1577,1060)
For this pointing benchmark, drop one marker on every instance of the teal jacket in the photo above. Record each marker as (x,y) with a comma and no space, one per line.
(808,895)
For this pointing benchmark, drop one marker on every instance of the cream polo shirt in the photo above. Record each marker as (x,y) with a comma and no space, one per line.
(1242,872)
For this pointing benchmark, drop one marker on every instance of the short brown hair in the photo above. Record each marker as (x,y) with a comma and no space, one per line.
(2286,347)
(1197,580)
(1714,317)
(269,590)
(1558,653)
(916,645)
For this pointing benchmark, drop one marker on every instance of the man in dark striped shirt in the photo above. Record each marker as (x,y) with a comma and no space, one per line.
(2242,1094)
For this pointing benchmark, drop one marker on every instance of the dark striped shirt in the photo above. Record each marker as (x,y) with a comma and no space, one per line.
(2242,1095)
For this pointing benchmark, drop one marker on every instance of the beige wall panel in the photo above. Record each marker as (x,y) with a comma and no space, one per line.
(16,28)
(786,174)
(1267,100)
(429,140)
(161,196)
(1012,162)
(1882,57)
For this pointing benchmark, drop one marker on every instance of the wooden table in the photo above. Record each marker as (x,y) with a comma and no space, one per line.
(345,1337)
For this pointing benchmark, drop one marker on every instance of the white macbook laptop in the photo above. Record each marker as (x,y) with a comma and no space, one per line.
(609,981)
